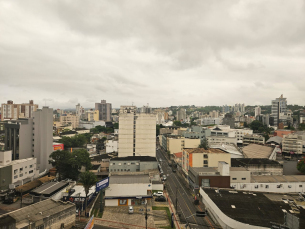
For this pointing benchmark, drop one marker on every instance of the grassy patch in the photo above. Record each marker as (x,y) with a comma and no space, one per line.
(167,212)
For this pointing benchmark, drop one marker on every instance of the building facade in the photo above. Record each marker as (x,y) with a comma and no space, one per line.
(104,110)
(137,133)
(278,109)
(292,144)
(69,119)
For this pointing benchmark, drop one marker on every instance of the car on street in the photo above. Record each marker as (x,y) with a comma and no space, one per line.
(174,170)
(160,160)
(160,199)
(159,193)
(164,178)
(130,209)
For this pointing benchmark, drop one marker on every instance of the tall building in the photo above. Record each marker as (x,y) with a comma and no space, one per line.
(104,110)
(278,109)
(78,110)
(32,137)
(146,109)
(181,114)
(137,133)
(14,111)
(258,111)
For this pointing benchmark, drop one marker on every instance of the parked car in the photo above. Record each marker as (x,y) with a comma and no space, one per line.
(160,199)
(164,177)
(130,209)
(160,160)
(159,193)
(174,170)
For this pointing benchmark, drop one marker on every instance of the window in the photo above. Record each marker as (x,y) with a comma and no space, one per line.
(300,186)
(113,163)
(124,170)
(289,186)
(114,170)
(205,162)
(267,186)
(15,177)
(243,178)
(21,175)
(205,156)
(121,170)
(205,182)
(256,186)
(31,171)
(128,169)
(124,163)
(234,178)
(31,166)
(15,171)
(21,169)
(25,167)
(132,163)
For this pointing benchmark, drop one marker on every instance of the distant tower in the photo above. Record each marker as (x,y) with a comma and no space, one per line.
(278,108)
(258,111)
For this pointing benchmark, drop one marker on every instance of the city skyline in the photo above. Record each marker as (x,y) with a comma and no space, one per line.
(162,53)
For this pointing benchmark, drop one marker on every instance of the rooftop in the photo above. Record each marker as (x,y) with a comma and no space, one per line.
(238,169)
(38,211)
(252,208)
(278,179)
(202,150)
(80,191)
(227,148)
(129,179)
(134,158)
(178,155)
(257,151)
(276,139)
(241,162)
(49,188)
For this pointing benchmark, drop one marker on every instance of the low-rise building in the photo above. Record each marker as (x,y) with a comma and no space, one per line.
(229,148)
(176,143)
(16,173)
(45,214)
(69,119)
(282,132)
(274,141)
(125,190)
(292,144)
(199,157)
(133,164)
(210,177)
(253,139)
(197,132)
(111,146)
(221,140)
(258,166)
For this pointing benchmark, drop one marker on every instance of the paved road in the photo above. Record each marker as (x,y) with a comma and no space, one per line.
(176,186)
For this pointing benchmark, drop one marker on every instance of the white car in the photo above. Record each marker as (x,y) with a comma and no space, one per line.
(130,209)
(158,193)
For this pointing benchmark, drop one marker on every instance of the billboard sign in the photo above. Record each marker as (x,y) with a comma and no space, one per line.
(58,147)
(102,184)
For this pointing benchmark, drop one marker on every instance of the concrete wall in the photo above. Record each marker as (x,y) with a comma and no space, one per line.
(5,177)
(43,137)
(111,146)
(145,135)
(214,158)
(271,187)
(216,181)
(174,145)
(126,136)
(257,170)
(191,143)
(240,176)
(220,217)
(146,165)
(26,139)
(112,202)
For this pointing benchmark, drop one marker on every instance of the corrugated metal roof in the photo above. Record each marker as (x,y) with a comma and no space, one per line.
(50,187)
(129,179)
(39,210)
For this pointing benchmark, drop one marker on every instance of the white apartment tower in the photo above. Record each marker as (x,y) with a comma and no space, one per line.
(181,114)
(258,111)
(278,109)
(137,133)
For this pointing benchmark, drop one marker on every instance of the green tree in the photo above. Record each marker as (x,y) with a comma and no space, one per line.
(116,125)
(60,160)
(255,125)
(204,144)
(87,179)
(177,123)
(301,165)
(301,126)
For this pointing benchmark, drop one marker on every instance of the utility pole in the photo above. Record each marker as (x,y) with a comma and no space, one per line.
(176,200)
(146,214)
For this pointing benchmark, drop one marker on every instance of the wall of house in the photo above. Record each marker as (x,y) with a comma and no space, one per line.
(191,143)
(174,145)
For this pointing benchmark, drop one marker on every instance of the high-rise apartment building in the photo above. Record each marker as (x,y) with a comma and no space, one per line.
(104,110)
(181,114)
(137,133)
(278,109)
(32,137)
(258,111)
(14,111)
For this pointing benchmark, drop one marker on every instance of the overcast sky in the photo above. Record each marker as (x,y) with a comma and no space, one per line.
(177,52)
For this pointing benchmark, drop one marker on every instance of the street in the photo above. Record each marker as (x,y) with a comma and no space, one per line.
(176,186)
